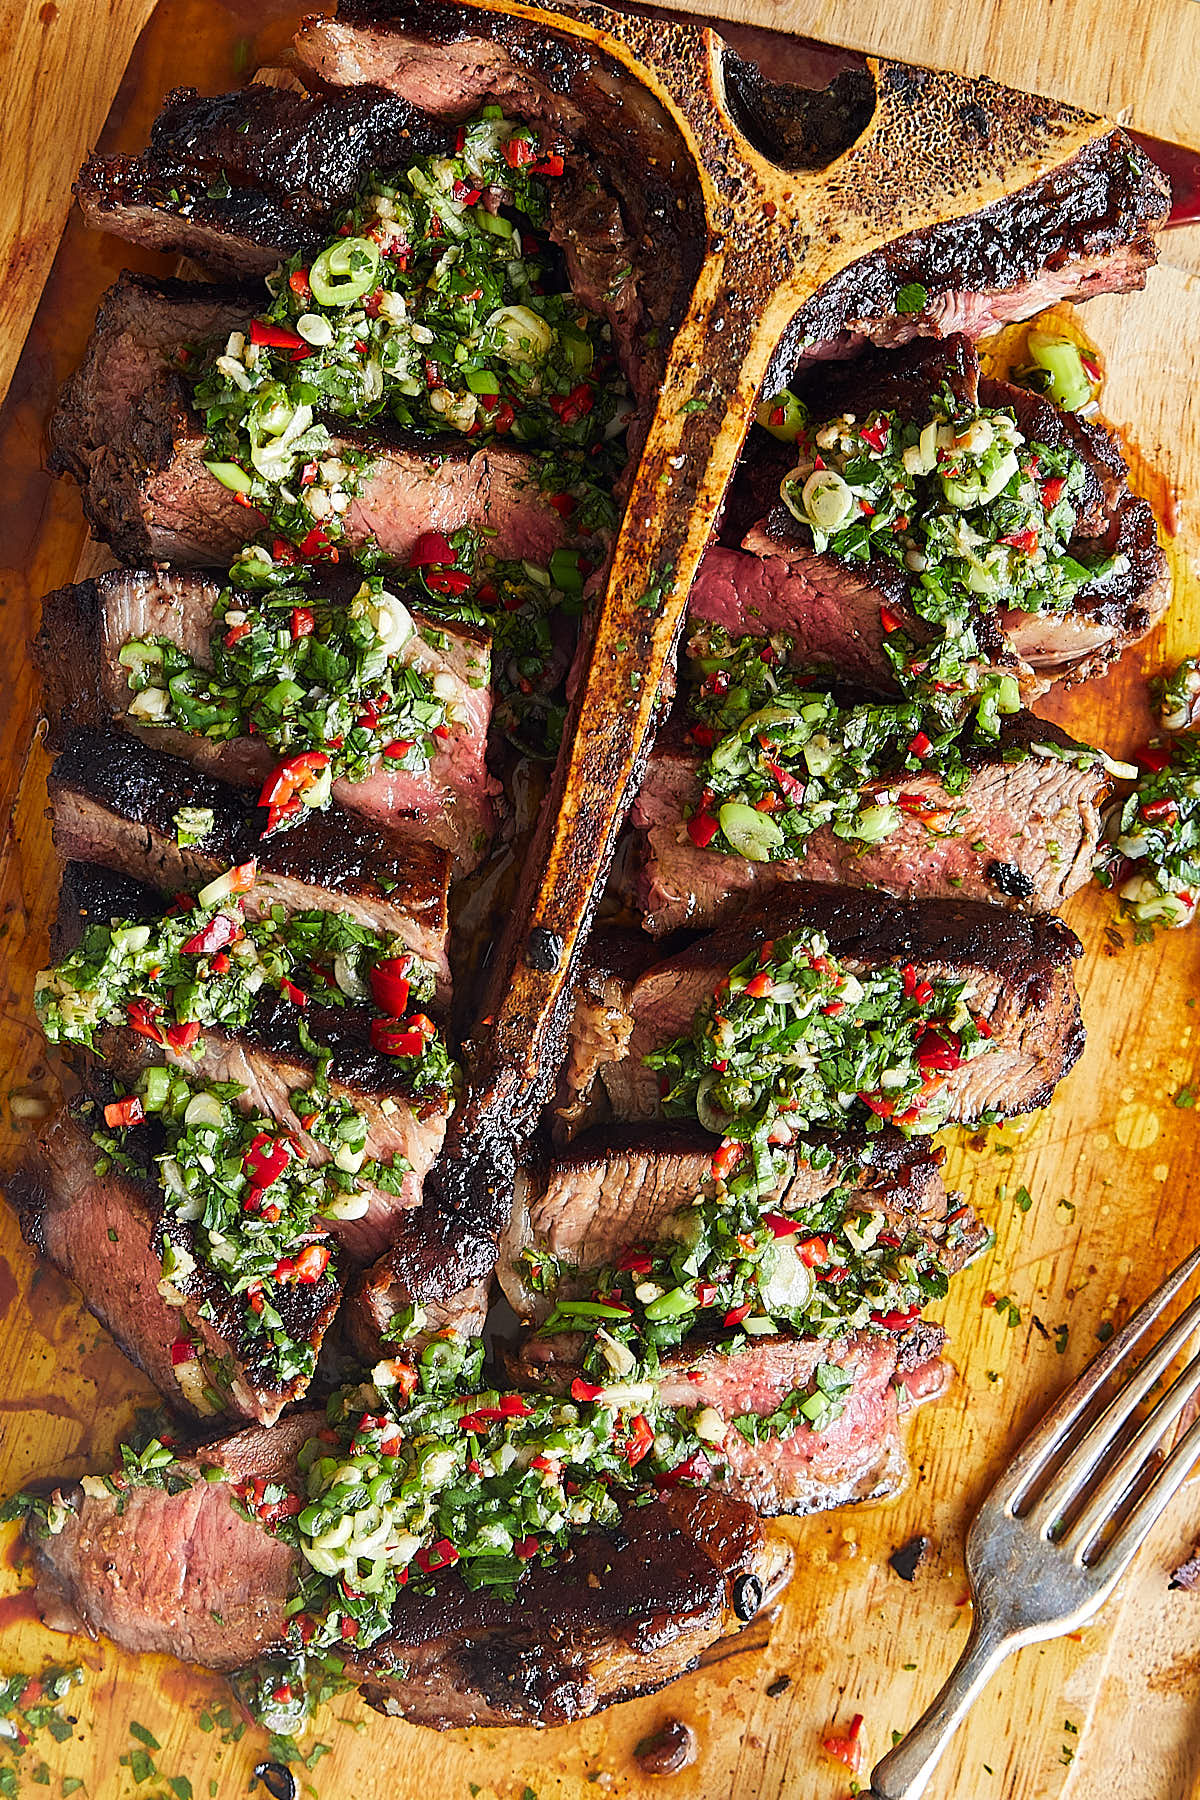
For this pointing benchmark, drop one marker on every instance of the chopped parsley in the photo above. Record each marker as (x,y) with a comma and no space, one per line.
(1154,836)
(438,304)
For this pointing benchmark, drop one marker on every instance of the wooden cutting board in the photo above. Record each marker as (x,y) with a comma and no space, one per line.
(1109,1166)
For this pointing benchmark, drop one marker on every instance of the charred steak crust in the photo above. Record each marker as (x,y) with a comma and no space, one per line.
(1086,227)
(1024,960)
(240,180)
(133,791)
(622,1612)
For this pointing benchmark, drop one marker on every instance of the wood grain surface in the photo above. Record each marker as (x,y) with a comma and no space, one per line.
(1111,1166)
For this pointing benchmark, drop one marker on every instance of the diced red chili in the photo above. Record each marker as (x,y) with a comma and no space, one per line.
(396,1037)
(737,1313)
(222,929)
(291,992)
(390,985)
(518,152)
(1154,757)
(1052,491)
(876,435)
(124,1112)
(550,165)
(236,633)
(919,745)
(398,748)
(781,1225)
(695,1467)
(349,1627)
(140,1016)
(311,1263)
(726,1157)
(813,1251)
(447,581)
(584,1390)
(847,1749)
(702,829)
(431,547)
(1024,541)
(183,1036)
(641,1439)
(889,620)
(276,337)
(1164,808)
(302,622)
(897,1321)
(438,1556)
(182,1351)
(760,986)
(938,1052)
(266,1159)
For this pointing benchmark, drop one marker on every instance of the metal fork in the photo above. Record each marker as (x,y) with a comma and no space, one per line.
(1026,1550)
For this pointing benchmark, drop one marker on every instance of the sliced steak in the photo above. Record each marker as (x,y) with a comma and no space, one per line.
(1018,971)
(765,576)
(1085,228)
(617,1185)
(125,429)
(267,1057)
(628,216)
(267,1060)
(1117,611)
(115,801)
(183,1574)
(1022,833)
(240,181)
(620,1613)
(105,1232)
(449,805)
(857,1456)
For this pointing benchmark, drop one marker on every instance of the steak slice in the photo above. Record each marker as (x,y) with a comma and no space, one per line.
(184,1574)
(1021,833)
(239,181)
(125,428)
(105,1233)
(114,802)
(618,1185)
(267,1057)
(620,1613)
(1085,228)
(449,805)
(765,575)
(857,1456)
(1017,969)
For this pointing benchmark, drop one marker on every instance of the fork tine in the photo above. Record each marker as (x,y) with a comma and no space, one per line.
(1091,1449)
(1175,1470)
(1117,1480)
(1041,1445)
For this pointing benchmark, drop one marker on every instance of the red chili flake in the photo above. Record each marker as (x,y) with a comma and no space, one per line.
(1091,367)
(848,1749)
(706,1292)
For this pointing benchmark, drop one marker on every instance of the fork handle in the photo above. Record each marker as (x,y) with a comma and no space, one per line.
(905,1771)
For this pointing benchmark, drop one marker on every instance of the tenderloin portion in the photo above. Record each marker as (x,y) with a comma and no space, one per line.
(858,1456)
(1022,834)
(617,1185)
(765,576)
(450,804)
(125,429)
(1017,970)
(115,801)
(106,1233)
(619,1614)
